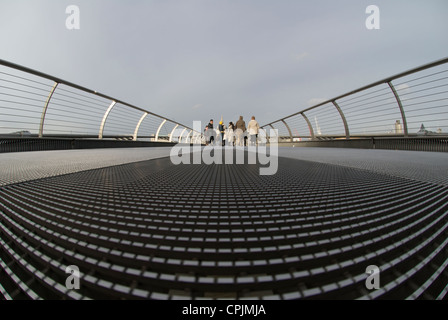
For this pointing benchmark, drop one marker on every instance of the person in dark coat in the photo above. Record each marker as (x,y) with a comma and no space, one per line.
(209,133)
(240,129)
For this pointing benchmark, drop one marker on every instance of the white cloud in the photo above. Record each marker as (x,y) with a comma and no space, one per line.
(314,101)
(402,88)
(197,106)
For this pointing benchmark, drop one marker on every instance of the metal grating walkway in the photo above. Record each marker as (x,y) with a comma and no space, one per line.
(154,230)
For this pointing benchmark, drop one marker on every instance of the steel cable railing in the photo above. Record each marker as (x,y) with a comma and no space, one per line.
(34,104)
(411,104)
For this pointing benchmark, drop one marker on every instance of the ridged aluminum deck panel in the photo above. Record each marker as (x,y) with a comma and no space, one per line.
(154,230)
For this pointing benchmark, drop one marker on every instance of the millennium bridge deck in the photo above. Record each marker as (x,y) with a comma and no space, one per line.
(87,184)
(139,227)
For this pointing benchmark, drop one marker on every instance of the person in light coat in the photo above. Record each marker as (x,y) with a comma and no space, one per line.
(230,136)
(253,127)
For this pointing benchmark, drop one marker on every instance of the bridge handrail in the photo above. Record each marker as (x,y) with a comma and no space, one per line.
(178,127)
(390,89)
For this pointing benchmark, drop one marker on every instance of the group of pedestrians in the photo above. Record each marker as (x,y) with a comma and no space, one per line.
(234,134)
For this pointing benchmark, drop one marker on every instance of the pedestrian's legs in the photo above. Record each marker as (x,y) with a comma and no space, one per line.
(252,140)
(241,139)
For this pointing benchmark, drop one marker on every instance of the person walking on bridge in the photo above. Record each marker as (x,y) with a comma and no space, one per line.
(253,127)
(240,129)
(210,133)
(230,134)
(222,131)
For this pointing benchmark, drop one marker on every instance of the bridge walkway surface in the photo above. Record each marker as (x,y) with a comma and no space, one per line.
(139,227)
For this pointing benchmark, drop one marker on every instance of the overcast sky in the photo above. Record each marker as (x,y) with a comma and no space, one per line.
(200,59)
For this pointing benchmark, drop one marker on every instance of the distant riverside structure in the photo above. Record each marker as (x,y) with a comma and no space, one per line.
(422,130)
(398,127)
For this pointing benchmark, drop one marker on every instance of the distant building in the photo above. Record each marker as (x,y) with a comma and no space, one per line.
(422,130)
(21,133)
(398,127)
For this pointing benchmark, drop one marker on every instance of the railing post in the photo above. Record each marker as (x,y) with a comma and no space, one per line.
(158,130)
(344,120)
(309,126)
(103,122)
(134,137)
(44,111)
(189,133)
(276,132)
(265,134)
(172,132)
(181,134)
(400,105)
(289,130)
